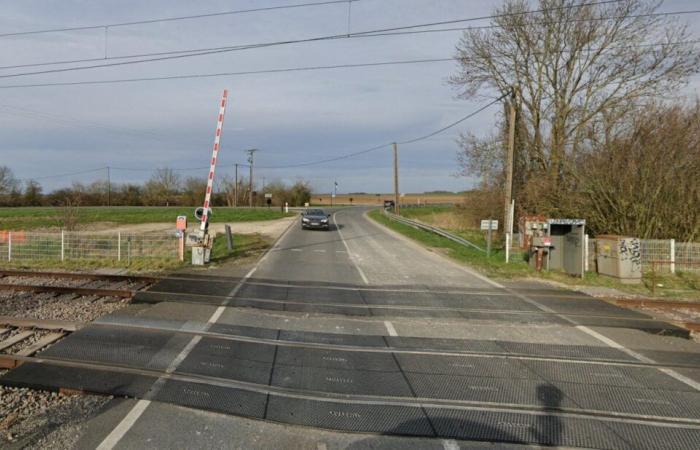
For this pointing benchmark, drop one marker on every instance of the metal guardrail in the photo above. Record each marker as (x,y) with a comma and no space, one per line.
(432,229)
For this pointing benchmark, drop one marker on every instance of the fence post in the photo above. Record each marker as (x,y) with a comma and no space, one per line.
(63,245)
(585,252)
(672,245)
(119,245)
(9,246)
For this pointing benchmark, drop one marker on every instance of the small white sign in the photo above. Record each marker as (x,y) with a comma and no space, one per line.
(485,225)
(268,195)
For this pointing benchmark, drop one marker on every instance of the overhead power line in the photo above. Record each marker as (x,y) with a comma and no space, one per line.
(173,19)
(304,164)
(192,53)
(347,35)
(388,144)
(291,69)
(227,74)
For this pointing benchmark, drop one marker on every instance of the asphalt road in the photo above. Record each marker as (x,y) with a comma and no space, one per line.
(359,338)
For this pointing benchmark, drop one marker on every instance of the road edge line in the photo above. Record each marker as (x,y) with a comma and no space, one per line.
(350,254)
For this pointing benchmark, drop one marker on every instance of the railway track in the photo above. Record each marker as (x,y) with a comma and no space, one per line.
(199,385)
(78,276)
(21,338)
(114,288)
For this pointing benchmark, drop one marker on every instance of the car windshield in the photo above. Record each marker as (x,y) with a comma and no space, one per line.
(315,212)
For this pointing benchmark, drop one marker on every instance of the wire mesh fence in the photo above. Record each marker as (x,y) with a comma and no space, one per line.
(77,245)
(662,255)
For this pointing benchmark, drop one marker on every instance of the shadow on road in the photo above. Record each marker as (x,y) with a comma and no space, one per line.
(483,426)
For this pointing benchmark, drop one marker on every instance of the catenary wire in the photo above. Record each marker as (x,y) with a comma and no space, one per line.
(292,41)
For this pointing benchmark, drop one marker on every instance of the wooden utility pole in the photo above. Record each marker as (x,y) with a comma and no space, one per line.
(397,207)
(509,164)
(235,187)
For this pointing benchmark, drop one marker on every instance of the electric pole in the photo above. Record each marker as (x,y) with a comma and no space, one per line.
(397,208)
(235,187)
(509,163)
(109,188)
(251,159)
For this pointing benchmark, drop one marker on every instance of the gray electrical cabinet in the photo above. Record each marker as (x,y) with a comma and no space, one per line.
(567,251)
(619,257)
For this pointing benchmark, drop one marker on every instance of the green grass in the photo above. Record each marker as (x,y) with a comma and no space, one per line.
(49,217)
(494,266)
(678,286)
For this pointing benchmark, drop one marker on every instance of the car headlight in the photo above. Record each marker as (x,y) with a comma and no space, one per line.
(324,220)
(305,220)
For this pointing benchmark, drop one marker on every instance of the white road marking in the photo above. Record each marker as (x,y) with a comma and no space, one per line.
(450,444)
(297,250)
(214,317)
(127,422)
(352,259)
(320,251)
(133,415)
(390,328)
(670,372)
(340,251)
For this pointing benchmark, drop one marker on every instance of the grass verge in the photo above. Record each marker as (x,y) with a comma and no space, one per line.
(679,286)
(27,218)
(495,266)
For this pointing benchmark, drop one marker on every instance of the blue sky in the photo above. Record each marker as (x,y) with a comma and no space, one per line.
(291,117)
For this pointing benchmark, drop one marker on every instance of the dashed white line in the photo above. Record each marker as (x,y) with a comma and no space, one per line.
(133,415)
(120,430)
(450,444)
(319,251)
(352,259)
(297,250)
(390,328)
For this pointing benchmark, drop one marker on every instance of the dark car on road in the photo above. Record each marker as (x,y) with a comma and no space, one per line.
(315,218)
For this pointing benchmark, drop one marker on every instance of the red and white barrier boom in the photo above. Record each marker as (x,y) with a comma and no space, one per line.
(214,157)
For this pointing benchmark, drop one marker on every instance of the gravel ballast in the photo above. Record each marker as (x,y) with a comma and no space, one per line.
(40,419)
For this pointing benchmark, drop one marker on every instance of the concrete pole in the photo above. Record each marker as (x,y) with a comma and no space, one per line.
(250,187)
(509,163)
(235,188)
(251,159)
(109,188)
(397,207)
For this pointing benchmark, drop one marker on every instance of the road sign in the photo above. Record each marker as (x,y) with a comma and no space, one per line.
(485,225)
(181,223)
(268,195)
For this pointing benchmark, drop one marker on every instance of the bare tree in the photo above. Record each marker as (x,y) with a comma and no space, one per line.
(646,183)
(9,185)
(162,187)
(577,68)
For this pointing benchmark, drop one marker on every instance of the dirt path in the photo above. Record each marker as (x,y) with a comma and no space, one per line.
(271,228)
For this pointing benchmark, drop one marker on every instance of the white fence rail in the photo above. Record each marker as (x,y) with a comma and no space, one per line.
(76,245)
(662,255)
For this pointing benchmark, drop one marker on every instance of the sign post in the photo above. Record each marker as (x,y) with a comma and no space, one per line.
(489,226)
(181,227)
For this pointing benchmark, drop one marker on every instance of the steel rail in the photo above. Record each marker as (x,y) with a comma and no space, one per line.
(78,276)
(41,324)
(121,293)
(396,350)
(366,399)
